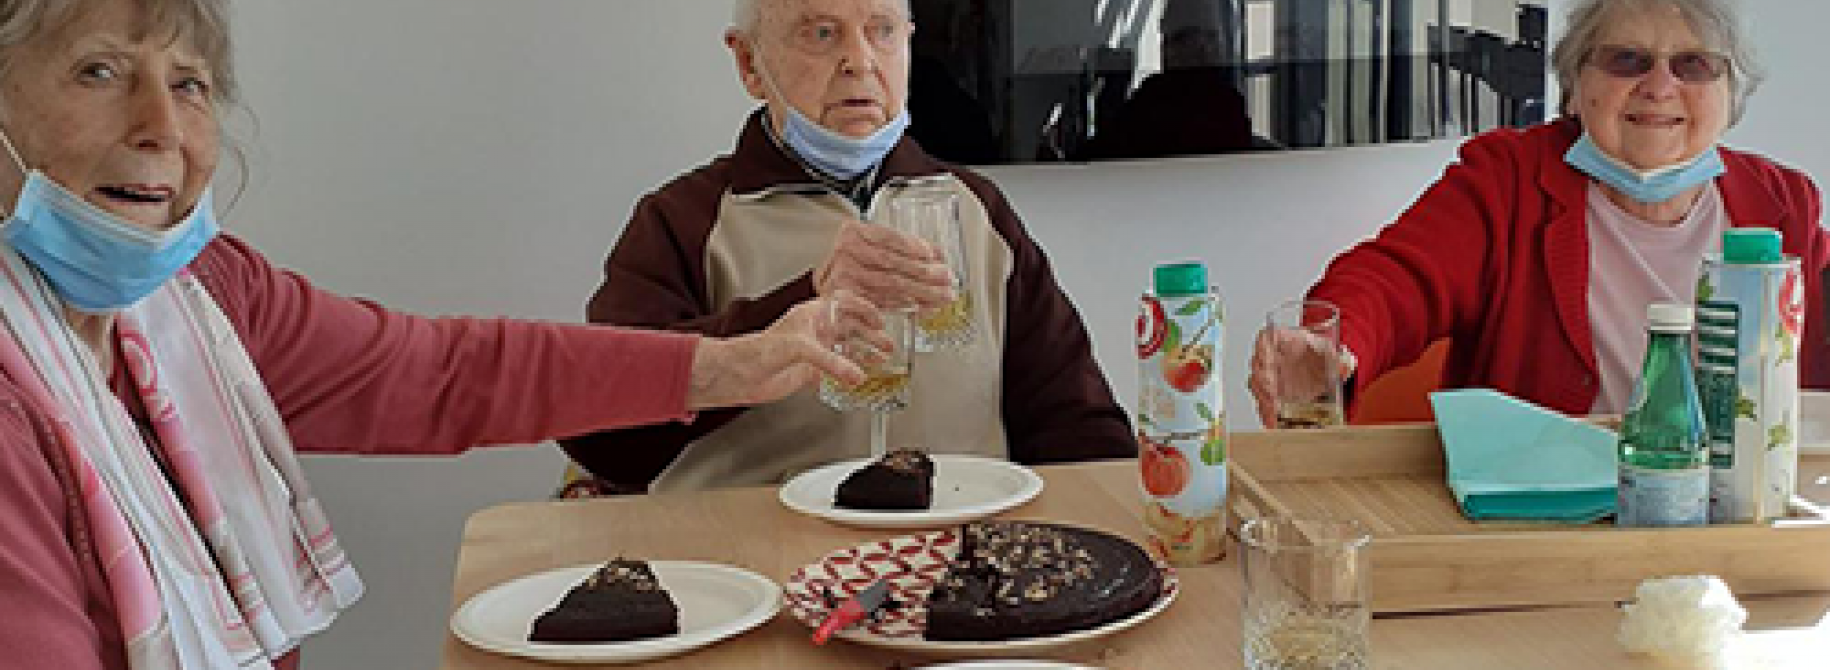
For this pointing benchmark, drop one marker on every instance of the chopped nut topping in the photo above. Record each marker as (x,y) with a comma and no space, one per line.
(906,460)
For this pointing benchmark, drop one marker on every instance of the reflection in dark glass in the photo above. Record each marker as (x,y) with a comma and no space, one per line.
(1014,81)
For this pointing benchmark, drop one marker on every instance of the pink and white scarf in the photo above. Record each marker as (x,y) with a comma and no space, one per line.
(228,562)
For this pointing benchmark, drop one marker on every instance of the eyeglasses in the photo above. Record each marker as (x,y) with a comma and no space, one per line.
(1690,67)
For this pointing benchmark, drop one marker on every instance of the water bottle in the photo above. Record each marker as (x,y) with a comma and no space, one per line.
(1664,448)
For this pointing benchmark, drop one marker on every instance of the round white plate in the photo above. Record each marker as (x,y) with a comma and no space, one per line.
(1007,665)
(912,564)
(715,601)
(966,488)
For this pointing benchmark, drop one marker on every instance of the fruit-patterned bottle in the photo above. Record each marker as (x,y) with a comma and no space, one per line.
(1750,315)
(1181,427)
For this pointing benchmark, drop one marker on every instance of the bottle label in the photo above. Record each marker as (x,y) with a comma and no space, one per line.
(1749,322)
(1650,498)
(1718,355)
(1181,426)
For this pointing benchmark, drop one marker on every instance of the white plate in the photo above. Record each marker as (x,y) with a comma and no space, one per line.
(1007,665)
(715,601)
(912,564)
(966,488)
(1814,422)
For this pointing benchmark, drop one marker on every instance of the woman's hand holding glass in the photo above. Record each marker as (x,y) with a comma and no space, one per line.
(803,345)
(888,366)
(1298,365)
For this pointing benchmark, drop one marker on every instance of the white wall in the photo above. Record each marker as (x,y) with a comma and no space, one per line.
(479,156)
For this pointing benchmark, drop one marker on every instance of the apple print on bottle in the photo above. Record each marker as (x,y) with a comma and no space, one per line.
(1181,430)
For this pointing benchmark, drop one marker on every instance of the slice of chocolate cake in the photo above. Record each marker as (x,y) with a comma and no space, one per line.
(903,480)
(620,601)
(1015,580)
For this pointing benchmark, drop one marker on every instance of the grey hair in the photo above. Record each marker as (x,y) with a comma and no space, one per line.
(1716,22)
(746,15)
(203,23)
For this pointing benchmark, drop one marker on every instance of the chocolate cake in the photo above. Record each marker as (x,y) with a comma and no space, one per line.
(903,480)
(620,601)
(1016,580)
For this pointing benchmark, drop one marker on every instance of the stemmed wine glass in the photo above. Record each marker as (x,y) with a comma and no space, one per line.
(886,387)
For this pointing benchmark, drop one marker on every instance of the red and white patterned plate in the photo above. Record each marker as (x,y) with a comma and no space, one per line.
(913,564)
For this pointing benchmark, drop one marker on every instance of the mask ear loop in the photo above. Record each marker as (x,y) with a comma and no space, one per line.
(11,151)
(768,80)
(762,71)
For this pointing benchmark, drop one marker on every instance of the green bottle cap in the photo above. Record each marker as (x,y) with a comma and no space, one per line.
(1748,246)
(1176,279)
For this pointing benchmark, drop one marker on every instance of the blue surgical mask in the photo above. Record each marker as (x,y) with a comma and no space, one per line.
(93,259)
(839,155)
(1650,186)
(830,152)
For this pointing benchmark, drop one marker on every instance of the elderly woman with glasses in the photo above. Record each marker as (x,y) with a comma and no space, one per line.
(1539,251)
(157,377)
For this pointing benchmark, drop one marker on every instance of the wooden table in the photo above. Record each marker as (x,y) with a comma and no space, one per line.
(749,528)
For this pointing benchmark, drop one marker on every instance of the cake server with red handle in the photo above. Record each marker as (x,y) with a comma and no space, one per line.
(853,610)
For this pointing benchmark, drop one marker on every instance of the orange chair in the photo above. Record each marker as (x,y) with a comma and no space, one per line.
(1402,395)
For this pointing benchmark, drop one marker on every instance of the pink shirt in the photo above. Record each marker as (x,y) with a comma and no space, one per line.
(1636,263)
(348,376)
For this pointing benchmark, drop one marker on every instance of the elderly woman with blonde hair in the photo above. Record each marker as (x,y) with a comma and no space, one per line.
(157,376)
(1537,254)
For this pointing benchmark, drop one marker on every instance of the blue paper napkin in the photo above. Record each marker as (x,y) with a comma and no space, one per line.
(1510,459)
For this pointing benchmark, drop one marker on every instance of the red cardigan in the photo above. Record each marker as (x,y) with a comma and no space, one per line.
(1495,256)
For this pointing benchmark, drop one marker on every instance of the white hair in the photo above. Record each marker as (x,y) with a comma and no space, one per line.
(1716,22)
(746,15)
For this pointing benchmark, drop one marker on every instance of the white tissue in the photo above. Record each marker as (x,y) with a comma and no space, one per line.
(1683,619)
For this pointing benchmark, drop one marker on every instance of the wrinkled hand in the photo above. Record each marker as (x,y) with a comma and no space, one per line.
(891,269)
(793,352)
(1292,363)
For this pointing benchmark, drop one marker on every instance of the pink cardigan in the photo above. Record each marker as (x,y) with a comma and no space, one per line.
(349,377)
(1495,256)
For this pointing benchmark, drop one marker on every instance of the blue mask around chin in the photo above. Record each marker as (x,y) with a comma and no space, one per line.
(1650,186)
(93,259)
(836,154)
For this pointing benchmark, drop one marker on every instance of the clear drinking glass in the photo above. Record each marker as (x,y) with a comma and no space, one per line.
(1305,603)
(934,218)
(886,388)
(1307,391)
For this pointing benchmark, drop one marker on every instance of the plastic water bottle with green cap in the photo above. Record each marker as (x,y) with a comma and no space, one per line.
(1750,312)
(1664,457)
(1181,427)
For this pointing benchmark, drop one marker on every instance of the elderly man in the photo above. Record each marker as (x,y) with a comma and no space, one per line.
(728,247)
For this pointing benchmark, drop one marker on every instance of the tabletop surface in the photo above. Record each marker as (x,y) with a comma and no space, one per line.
(751,529)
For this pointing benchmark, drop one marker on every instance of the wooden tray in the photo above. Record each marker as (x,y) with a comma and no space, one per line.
(1425,556)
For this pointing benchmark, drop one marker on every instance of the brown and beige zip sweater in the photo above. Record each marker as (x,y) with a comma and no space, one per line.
(728,248)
